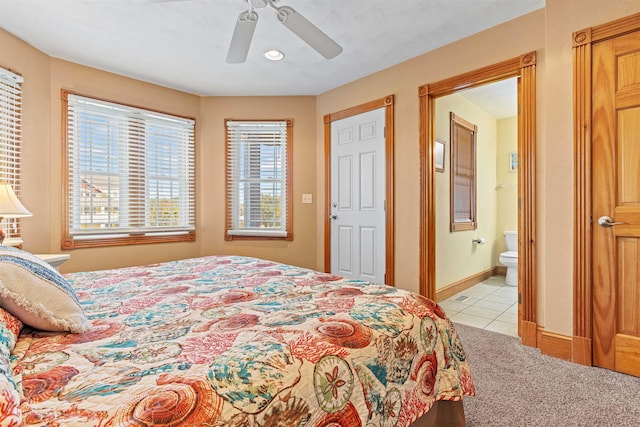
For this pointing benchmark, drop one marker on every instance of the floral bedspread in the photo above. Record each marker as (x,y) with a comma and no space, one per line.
(236,341)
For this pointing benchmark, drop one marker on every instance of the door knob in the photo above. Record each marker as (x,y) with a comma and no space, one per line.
(606,221)
(333,216)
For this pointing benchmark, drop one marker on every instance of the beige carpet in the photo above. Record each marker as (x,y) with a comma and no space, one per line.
(517,386)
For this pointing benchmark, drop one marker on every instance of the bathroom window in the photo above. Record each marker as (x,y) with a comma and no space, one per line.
(463,174)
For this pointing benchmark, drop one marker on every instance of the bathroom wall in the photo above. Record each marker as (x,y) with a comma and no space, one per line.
(507,183)
(456,257)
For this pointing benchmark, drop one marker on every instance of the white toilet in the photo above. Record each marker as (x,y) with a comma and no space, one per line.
(510,257)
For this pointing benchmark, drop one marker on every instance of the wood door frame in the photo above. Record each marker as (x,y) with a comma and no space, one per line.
(523,67)
(388,103)
(583,40)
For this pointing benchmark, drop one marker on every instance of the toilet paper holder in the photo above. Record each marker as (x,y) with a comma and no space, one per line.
(478,241)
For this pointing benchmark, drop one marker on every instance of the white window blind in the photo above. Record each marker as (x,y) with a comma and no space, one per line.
(10,140)
(131,171)
(257,193)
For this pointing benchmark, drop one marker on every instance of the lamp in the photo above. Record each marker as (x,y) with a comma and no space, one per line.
(10,206)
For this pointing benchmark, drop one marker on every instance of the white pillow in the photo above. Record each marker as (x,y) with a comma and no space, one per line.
(37,294)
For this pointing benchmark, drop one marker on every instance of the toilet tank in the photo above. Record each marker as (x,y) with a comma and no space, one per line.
(511,240)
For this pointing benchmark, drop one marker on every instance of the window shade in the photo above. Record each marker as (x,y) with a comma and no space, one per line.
(10,140)
(131,171)
(257,193)
(463,174)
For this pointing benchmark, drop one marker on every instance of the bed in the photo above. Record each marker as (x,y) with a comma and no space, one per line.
(219,341)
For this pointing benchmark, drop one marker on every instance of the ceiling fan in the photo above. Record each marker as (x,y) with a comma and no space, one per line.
(287,16)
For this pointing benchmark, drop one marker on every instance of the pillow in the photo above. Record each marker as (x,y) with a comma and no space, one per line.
(10,389)
(37,294)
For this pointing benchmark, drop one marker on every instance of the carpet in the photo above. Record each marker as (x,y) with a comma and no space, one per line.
(518,386)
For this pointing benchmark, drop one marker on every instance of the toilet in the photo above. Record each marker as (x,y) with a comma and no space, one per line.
(510,257)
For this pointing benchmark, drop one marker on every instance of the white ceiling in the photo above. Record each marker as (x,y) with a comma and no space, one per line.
(182,44)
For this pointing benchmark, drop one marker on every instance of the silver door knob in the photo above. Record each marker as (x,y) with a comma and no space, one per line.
(333,216)
(606,221)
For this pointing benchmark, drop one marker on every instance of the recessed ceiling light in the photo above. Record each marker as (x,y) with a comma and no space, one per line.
(274,55)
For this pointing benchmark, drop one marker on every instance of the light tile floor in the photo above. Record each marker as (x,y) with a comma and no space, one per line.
(490,305)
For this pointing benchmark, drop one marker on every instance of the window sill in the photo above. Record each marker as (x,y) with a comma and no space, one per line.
(71,243)
(229,237)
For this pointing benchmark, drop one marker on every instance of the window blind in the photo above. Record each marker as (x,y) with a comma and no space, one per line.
(10,140)
(131,171)
(257,193)
(463,174)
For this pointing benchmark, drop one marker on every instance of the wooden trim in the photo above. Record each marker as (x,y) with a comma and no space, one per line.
(555,345)
(524,68)
(583,41)
(390,208)
(528,333)
(427,230)
(387,102)
(527,262)
(615,28)
(464,284)
(582,284)
(581,351)
(70,243)
(327,193)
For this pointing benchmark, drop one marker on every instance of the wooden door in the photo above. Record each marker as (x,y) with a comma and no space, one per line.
(616,194)
(358,191)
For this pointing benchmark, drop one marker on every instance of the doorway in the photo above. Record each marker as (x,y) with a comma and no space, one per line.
(607,213)
(332,238)
(476,261)
(523,68)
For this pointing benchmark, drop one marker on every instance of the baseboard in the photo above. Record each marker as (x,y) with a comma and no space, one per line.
(555,345)
(500,270)
(582,351)
(466,283)
(529,333)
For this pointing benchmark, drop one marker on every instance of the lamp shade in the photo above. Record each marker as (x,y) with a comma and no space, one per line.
(10,206)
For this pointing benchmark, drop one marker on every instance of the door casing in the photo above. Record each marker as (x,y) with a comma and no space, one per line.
(523,67)
(583,40)
(388,103)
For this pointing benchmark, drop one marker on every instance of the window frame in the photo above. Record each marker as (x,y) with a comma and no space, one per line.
(182,234)
(11,170)
(288,191)
(458,124)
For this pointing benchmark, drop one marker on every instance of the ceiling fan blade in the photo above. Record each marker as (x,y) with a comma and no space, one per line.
(309,33)
(242,35)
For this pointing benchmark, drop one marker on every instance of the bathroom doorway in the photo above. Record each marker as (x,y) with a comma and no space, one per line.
(523,68)
(476,261)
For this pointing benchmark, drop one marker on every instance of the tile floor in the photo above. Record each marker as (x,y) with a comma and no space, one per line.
(490,305)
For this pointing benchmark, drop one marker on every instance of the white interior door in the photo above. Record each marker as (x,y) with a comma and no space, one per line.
(358,191)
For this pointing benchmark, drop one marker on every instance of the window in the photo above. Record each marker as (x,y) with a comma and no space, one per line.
(463,174)
(130,175)
(258,179)
(10,141)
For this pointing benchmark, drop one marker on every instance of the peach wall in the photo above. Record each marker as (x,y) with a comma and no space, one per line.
(563,17)
(547,31)
(100,84)
(43,175)
(503,42)
(33,65)
(302,250)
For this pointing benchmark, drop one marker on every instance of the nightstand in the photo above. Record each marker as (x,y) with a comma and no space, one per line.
(54,259)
